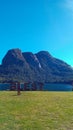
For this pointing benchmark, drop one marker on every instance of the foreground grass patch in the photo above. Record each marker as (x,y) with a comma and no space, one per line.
(36,111)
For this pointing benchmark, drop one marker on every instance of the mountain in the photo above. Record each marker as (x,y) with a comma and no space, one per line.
(29,67)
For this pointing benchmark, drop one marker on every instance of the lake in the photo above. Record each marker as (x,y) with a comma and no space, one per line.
(58,87)
(45,87)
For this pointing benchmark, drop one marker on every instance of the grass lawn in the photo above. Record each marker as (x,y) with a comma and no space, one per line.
(36,110)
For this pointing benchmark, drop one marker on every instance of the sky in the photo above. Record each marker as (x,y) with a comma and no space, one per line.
(35,25)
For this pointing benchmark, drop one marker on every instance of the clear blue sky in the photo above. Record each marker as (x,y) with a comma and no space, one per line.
(35,25)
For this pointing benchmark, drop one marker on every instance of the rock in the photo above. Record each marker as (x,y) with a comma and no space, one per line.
(29,67)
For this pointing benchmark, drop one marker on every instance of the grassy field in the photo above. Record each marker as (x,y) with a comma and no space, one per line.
(36,111)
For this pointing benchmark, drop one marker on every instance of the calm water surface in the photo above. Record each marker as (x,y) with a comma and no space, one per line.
(46,87)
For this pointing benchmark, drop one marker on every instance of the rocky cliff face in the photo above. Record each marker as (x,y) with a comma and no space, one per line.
(32,60)
(29,67)
(13,56)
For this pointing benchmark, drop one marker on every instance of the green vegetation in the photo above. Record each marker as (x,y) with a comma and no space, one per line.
(36,110)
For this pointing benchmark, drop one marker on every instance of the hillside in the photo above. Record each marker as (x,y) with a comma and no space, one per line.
(29,67)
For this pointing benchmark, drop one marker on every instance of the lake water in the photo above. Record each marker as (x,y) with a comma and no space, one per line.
(58,87)
(45,87)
